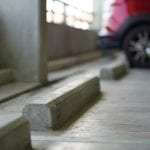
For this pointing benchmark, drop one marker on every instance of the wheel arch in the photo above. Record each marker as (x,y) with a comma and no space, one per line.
(131,23)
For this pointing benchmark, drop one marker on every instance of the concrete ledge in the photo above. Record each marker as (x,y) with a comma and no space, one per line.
(11,90)
(54,111)
(6,76)
(14,133)
(115,70)
(70,61)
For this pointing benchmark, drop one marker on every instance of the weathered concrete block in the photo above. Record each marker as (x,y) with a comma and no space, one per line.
(63,103)
(6,76)
(14,133)
(115,70)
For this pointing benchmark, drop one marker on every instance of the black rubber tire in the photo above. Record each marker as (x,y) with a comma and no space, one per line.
(130,35)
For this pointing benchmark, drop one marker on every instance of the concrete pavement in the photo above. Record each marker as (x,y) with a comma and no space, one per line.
(119,120)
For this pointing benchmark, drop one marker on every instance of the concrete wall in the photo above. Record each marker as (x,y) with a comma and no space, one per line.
(22,38)
(64,41)
(98,11)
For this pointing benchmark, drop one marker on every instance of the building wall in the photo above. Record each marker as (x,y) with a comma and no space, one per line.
(64,41)
(98,11)
(22,37)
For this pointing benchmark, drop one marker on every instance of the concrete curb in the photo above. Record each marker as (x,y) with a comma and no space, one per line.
(58,64)
(63,103)
(115,70)
(14,133)
(14,89)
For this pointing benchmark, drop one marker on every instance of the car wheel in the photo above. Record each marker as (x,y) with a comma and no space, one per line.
(137,46)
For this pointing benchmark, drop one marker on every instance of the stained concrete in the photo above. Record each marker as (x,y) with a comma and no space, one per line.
(14,133)
(120,119)
(115,70)
(55,109)
(15,105)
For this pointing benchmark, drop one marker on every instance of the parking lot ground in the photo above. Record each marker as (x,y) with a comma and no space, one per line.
(120,119)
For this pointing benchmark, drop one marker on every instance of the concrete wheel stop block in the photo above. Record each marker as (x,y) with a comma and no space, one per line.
(56,109)
(14,133)
(116,70)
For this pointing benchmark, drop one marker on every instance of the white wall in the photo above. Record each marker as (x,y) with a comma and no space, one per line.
(98,9)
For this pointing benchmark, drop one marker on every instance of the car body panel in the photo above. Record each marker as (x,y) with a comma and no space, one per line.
(124,14)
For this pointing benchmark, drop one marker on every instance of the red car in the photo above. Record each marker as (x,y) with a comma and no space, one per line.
(128,27)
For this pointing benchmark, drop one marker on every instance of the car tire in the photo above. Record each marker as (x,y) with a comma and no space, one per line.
(137,46)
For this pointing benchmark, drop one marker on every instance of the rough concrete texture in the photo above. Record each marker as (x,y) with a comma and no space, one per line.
(62,104)
(14,133)
(120,120)
(115,70)
(6,76)
(16,104)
